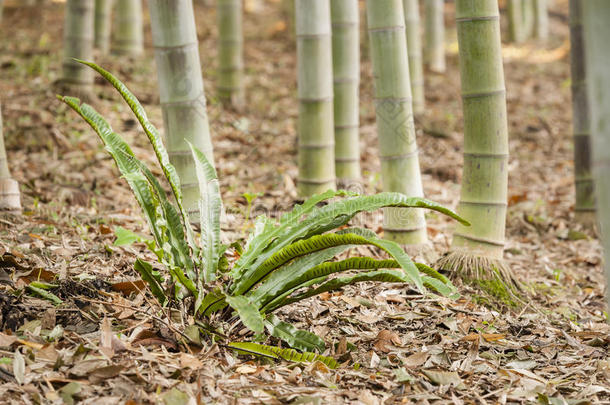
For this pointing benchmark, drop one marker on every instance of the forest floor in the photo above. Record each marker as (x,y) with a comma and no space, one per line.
(103,344)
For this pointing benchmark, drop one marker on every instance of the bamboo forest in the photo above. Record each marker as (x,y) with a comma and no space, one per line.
(304,202)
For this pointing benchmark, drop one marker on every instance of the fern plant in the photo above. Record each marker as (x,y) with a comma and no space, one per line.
(283,261)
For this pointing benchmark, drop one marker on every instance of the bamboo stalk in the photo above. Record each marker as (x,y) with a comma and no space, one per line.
(345,16)
(529,18)
(597,31)
(394,113)
(315,92)
(541,16)
(128,38)
(9,188)
(1,9)
(483,197)
(181,91)
(78,43)
(516,28)
(288,11)
(583,177)
(103,25)
(435,35)
(414,49)
(230,53)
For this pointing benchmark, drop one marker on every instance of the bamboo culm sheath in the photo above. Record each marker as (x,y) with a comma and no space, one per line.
(597,31)
(483,199)
(78,43)
(346,70)
(103,24)
(181,91)
(394,114)
(414,49)
(9,188)
(583,177)
(128,38)
(435,35)
(230,53)
(315,91)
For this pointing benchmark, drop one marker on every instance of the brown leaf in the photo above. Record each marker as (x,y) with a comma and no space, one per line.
(105,229)
(156,341)
(385,339)
(190,361)
(100,374)
(416,359)
(7,340)
(106,337)
(493,337)
(444,378)
(342,346)
(128,287)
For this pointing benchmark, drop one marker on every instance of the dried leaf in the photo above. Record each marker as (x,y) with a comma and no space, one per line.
(444,378)
(128,287)
(19,367)
(106,337)
(416,359)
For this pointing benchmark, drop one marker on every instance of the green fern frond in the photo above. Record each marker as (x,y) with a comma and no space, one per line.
(279,353)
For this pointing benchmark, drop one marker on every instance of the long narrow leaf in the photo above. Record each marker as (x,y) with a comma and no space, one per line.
(146,188)
(146,272)
(210,207)
(296,338)
(212,302)
(267,231)
(323,270)
(248,313)
(392,276)
(281,279)
(123,157)
(338,213)
(155,139)
(279,353)
(320,242)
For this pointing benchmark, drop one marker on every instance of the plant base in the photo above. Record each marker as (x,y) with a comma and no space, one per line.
(9,196)
(588,219)
(422,253)
(490,276)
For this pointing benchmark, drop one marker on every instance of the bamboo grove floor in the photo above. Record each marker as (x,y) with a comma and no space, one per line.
(396,346)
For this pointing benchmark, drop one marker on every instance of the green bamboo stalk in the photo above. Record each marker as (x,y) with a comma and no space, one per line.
(345,17)
(181,91)
(128,38)
(78,43)
(414,49)
(477,251)
(288,12)
(541,17)
(394,113)
(9,188)
(315,91)
(597,31)
(230,53)
(484,186)
(103,23)
(583,177)
(529,18)
(435,35)
(516,28)
(1,9)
